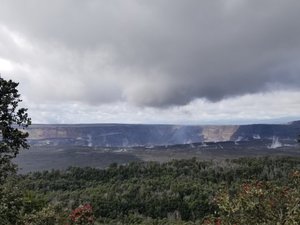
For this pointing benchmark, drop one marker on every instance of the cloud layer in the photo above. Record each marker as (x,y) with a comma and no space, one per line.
(149,53)
(239,110)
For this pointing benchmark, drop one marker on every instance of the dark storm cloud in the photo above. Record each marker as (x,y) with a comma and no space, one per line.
(161,53)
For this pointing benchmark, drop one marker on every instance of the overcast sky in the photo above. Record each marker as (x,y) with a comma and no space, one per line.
(158,61)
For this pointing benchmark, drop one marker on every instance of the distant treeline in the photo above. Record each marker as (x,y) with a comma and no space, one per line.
(238,191)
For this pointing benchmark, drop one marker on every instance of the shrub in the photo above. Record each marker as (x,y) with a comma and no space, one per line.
(82,215)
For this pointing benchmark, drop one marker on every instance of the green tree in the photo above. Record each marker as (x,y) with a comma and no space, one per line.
(11,203)
(13,120)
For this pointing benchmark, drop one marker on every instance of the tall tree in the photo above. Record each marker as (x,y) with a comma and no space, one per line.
(13,121)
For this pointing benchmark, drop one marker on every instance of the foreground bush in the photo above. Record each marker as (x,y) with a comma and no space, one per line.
(259,202)
(82,215)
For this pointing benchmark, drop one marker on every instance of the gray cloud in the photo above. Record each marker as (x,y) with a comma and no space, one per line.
(252,108)
(153,53)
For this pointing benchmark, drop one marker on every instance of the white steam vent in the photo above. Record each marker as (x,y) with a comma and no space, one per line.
(275,143)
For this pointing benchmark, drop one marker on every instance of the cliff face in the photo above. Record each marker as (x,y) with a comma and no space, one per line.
(267,131)
(218,133)
(123,135)
(114,135)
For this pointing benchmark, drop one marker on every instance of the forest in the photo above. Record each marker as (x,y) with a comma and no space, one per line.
(261,190)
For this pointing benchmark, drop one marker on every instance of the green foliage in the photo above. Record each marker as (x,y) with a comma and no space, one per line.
(32,201)
(11,141)
(11,117)
(176,192)
(46,216)
(10,203)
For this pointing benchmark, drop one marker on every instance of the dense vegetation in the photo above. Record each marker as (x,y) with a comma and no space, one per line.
(239,191)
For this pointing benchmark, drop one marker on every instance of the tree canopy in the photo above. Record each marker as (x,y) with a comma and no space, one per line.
(13,120)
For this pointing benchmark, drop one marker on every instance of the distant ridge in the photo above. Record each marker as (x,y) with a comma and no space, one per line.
(126,135)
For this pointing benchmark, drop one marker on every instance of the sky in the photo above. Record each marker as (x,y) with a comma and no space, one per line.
(159,61)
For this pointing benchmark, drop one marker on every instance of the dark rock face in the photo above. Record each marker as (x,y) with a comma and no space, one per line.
(114,135)
(126,135)
(267,131)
